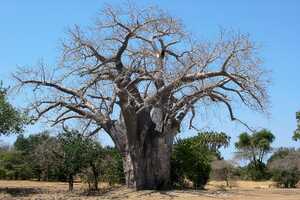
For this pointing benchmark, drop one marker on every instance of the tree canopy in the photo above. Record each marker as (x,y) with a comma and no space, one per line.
(11,120)
(254,147)
(213,141)
(134,59)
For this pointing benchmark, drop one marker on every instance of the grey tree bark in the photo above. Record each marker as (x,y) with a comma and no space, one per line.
(146,150)
(147,166)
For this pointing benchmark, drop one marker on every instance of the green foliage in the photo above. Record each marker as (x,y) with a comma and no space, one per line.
(257,144)
(47,164)
(256,171)
(13,166)
(44,157)
(286,178)
(60,158)
(112,166)
(27,145)
(254,148)
(11,120)
(38,147)
(105,164)
(296,135)
(213,141)
(72,151)
(190,161)
(82,154)
(191,158)
(284,165)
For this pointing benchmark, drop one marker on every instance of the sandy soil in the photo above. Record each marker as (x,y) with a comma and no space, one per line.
(241,190)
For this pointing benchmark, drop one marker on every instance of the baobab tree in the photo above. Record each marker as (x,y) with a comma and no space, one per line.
(136,74)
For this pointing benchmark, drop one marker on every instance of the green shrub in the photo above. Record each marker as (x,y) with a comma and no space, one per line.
(2,173)
(286,178)
(112,167)
(256,171)
(190,161)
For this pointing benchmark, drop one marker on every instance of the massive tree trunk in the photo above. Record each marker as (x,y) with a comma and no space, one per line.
(146,144)
(147,166)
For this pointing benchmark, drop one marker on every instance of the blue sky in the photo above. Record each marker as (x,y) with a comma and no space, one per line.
(30,30)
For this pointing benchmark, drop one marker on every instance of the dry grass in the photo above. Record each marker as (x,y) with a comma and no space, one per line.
(241,190)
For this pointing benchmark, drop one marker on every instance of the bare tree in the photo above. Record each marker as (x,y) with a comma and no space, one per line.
(285,167)
(137,74)
(222,170)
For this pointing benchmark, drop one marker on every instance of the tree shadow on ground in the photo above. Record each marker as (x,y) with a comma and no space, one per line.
(154,192)
(215,194)
(125,193)
(101,191)
(20,192)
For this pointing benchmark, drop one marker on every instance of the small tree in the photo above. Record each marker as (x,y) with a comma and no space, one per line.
(112,166)
(222,170)
(94,158)
(254,148)
(73,154)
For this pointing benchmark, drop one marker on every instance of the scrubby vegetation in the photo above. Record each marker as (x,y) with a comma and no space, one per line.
(192,157)
(284,165)
(70,156)
(62,158)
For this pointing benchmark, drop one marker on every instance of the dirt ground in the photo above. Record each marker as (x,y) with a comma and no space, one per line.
(241,190)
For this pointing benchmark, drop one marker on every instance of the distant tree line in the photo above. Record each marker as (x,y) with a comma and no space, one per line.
(61,158)
(70,156)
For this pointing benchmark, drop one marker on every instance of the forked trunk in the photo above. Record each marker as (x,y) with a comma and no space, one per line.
(147,166)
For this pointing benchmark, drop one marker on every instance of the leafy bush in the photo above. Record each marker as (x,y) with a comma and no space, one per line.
(256,171)
(190,161)
(286,178)
(2,173)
